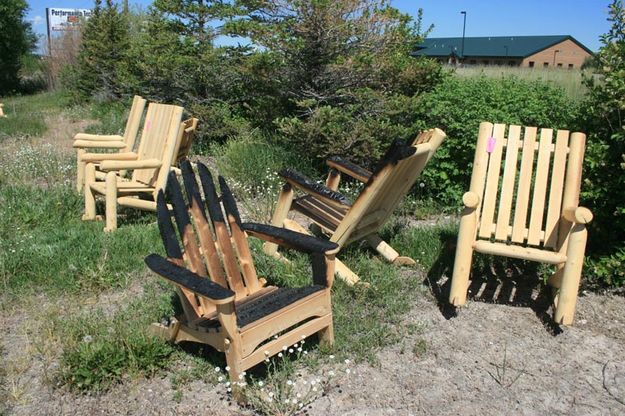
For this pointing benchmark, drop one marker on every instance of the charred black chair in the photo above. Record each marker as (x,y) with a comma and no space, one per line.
(226,305)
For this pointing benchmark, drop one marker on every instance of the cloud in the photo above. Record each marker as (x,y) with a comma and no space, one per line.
(37,20)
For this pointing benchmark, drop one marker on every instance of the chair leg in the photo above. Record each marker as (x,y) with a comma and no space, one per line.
(80,170)
(282,209)
(464,257)
(388,252)
(326,335)
(571,275)
(111,202)
(89,214)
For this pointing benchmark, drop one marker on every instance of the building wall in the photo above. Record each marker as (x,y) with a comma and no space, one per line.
(565,54)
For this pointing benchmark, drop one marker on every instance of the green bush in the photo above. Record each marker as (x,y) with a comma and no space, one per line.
(605,156)
(458,105)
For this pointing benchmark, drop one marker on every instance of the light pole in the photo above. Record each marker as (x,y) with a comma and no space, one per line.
(464,26)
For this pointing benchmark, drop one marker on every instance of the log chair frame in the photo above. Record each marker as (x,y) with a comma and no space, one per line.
(556,232)
(344,222)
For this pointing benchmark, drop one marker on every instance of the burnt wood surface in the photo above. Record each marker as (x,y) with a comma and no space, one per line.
(308,185)
(352,169)
(166,228)
(186,278)
(272,302)
(289,239)
(227,199)
(398,150)
(191,187)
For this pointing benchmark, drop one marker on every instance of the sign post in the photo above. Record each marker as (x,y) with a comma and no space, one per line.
(62,20)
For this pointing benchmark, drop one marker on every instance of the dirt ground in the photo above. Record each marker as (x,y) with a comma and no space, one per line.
(491,359)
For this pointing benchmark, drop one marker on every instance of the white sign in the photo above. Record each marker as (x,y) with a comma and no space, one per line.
(66,19)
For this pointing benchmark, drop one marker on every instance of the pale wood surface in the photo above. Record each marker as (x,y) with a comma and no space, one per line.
(371,209)
(554,186)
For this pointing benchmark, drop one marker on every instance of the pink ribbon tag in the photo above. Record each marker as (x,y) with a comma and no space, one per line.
(147,125)
(491,145)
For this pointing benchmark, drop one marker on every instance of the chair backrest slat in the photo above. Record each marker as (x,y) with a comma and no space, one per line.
(554,207)
(507,185)
(519,228)
(160,140)
(540,187)
(494,147)
(233,274)
(239,239)
(134,122)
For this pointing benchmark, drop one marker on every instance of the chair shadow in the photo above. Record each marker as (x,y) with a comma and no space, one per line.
(496,280)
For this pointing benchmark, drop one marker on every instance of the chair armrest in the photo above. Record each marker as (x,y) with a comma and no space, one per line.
(130,164)
(470,199)
(577,215)
(98,144)
(288,238)
(189,280)
(99,157)
(321,191)
(349,168)
(99,137)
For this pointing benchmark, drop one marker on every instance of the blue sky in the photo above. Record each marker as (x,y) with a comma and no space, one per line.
(585,20)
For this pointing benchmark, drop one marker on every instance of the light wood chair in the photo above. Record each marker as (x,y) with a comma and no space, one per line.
(544,185)
(84,142)
(150,166)
(225,304)
(345,222)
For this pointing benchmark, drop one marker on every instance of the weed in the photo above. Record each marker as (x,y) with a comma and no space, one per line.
(502,375)
(101,350)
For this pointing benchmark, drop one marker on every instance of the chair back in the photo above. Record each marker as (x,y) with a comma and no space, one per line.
(392,179)
(187,141)
(524,182)
(160,139)
(213,245)
(133,123)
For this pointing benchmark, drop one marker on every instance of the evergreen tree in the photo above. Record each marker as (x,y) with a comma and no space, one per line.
(16,40)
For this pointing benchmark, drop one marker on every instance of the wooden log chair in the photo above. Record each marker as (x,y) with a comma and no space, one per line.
(84,142)
(2,111)
(150,165)
(225,304)
(496,208)
(345,222)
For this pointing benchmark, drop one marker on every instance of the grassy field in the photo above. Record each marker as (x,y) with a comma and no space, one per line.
(569,80)
(86,298)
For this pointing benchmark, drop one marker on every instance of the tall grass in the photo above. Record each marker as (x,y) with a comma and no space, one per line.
(569,79)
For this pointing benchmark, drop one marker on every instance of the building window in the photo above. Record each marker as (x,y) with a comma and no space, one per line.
(560,65)
(531,64)
(570,66)
(545,64)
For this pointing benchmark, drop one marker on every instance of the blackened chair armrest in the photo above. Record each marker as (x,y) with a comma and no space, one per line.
(322,192)
(289,239)
(349,168)
(189,280)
